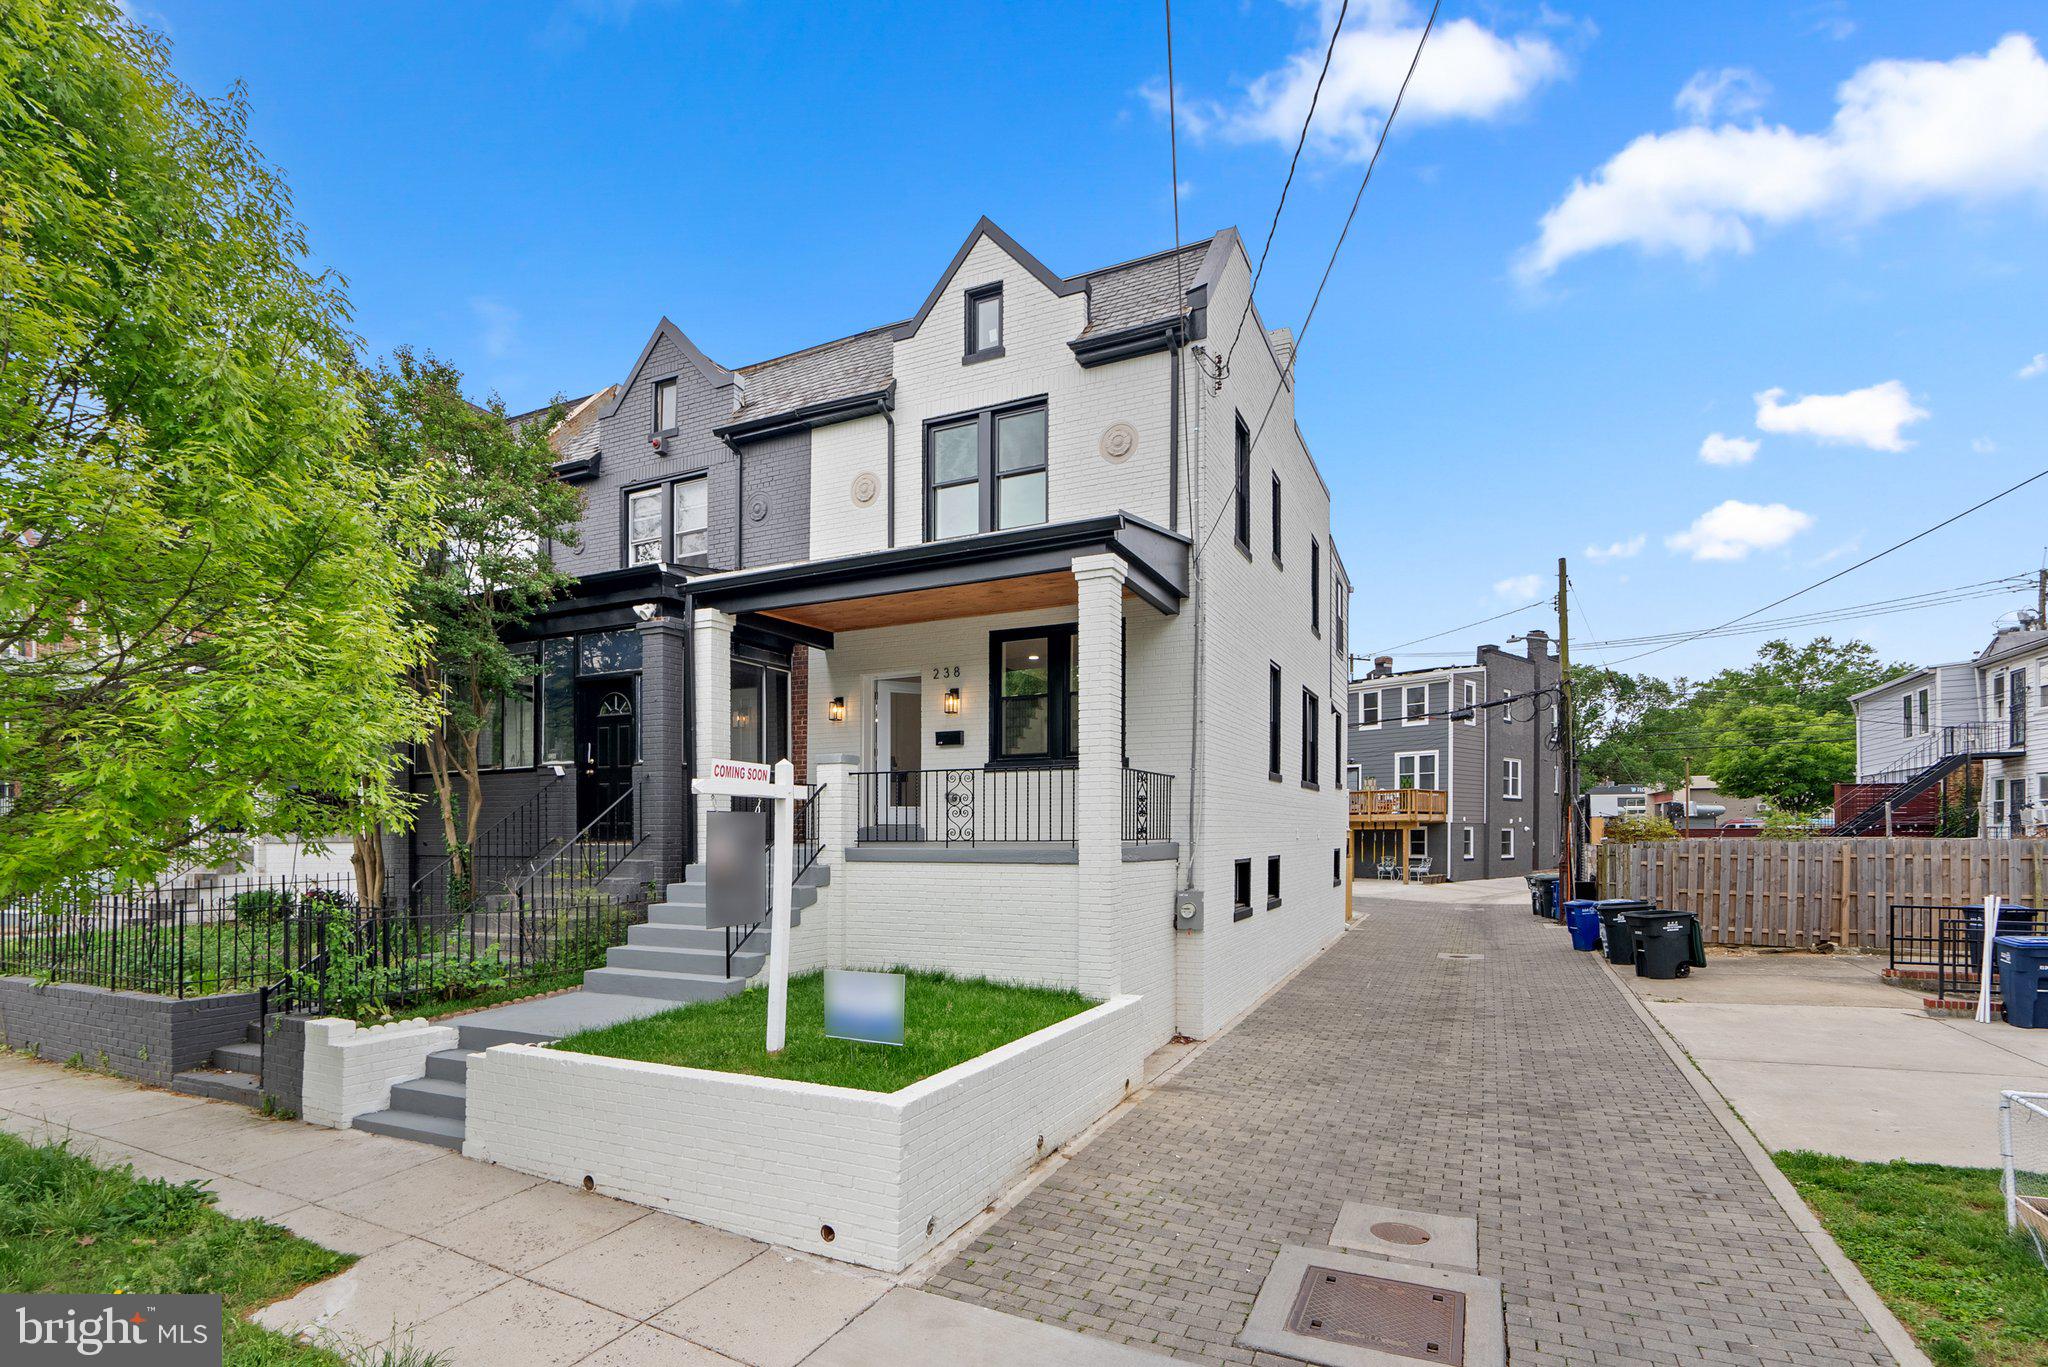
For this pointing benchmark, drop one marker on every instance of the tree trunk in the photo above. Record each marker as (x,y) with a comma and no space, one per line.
(366,853)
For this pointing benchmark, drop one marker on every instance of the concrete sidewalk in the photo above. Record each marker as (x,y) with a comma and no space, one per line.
(491,1267)
(1819,1052)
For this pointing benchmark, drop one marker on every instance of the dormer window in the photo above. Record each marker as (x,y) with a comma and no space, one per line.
(984,323)
(664,406)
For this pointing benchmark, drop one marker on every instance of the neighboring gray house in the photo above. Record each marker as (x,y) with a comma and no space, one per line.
(1485,736)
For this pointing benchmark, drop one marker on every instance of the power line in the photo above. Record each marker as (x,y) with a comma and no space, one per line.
(1868,559)
(1990,588)
(1540,602)
(1301,335)
(1314,97)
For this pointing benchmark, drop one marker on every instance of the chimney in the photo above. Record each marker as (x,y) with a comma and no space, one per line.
(1382,666)
(1539,644)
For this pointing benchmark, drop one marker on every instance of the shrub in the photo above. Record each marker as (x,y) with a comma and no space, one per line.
(1638,828)
(262,905)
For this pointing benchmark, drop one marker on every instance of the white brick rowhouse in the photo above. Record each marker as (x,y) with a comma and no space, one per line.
(867,1177)
(349,1068)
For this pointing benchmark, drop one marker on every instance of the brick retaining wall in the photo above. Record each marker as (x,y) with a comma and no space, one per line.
(134,1034)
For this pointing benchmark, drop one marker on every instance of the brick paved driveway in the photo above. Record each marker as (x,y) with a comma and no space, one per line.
(1519,1089)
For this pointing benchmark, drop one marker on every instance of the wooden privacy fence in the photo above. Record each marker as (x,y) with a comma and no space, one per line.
(1801,894)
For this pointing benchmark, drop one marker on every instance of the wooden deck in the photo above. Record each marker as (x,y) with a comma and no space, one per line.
(1396,808)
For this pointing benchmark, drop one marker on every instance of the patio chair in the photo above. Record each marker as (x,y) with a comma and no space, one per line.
(1388,868)
(1419,868)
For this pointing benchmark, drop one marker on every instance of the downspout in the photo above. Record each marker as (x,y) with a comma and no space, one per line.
(1173,436)
(889,417)
(1195,601)
(689,729)
(739,477)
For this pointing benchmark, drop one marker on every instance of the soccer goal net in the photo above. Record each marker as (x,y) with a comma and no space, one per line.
(2023,1137)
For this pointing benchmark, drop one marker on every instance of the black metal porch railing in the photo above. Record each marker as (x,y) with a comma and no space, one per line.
(1148,806)
(1946,943)
(807,840)
(966,806)
(505,852)
(1963,739)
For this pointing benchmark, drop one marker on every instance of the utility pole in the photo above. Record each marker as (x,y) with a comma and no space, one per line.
(1568,847)
(2041,598)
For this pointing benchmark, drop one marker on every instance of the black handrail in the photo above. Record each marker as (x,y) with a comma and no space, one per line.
(1148,806)
(1025,805)
(807,841)
(507,844)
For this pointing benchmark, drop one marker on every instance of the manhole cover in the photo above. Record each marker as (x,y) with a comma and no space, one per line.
(1399,1232)
(1361,1311)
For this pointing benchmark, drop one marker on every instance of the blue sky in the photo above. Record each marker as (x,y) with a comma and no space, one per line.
(1842,202)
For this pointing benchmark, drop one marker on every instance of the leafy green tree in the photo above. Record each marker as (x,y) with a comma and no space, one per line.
(485,571)
(201,581)
(1626,829)
(1781,752)
(1628,725)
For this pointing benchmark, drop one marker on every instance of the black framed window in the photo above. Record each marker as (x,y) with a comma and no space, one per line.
(984,323)
(1337,867)
(664,405)
(1241,891)
(1035,717)
(1276,517)
(669,522)
(1273,721)
(1311,738)
(508,737)
(1315,586)
(1242,487)
(986,471)
(1272,880)
(1336,748)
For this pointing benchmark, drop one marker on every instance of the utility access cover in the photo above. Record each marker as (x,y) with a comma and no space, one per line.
(1401,1318)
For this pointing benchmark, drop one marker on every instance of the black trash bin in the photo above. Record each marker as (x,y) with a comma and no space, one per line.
(2013,919)
(1543,894)
(1615,936)
(1663,942)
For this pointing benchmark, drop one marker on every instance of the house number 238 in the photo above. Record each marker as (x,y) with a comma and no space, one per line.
(945,671)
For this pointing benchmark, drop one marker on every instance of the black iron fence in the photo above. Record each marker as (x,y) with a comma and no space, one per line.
(966,806)
(1148,806)
(507,851)
(1946,943)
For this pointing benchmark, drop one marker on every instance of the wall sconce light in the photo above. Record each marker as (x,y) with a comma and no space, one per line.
(952,702)
(836,709)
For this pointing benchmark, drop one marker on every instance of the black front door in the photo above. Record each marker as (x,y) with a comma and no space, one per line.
(607,742)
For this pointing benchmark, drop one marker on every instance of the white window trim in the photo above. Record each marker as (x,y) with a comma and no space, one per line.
(1471,703)
(1378,709)
(1422,720)
(1507,842)
(1511,779)
(1470,843)
(1435,765)
(1507,710)
(1421,832)
(1354,777)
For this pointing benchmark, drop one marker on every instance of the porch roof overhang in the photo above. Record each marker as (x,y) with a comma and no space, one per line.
(605,599)
(1008,571)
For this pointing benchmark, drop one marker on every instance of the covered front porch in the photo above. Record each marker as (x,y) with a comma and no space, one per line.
(995,726)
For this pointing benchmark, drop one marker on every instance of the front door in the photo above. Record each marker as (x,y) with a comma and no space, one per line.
(898,753)
(607,743)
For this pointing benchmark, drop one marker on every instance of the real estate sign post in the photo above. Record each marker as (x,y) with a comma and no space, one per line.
(738,778)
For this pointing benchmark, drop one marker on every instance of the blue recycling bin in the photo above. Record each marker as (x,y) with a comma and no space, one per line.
(2022,964)
(1583,920)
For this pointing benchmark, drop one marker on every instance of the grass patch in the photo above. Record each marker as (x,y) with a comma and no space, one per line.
(517,990)
(69,1226)
(1932,1241)
(947,1020)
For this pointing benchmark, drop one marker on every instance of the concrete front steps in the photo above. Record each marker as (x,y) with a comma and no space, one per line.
(676,957)
(235,1072)
(672,959)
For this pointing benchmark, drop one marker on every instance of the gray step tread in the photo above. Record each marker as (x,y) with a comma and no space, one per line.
(669,959)
(451,1064)
(430,1096)
(691,937)
(240,1058)
(426,1129)
(676,987)
(218,1084)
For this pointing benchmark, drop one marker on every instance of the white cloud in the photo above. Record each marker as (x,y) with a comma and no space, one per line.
(1731,530)
(1983,446)
(1971,130)
(1618,550)
(1519,587)
(1467,71)
(1869,417)
(1731,92)
(499,324)
(1720,450)
(2036,367)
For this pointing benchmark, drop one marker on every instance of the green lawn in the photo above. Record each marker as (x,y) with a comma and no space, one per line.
(69,1226)
(1932,1241)
(947,1020)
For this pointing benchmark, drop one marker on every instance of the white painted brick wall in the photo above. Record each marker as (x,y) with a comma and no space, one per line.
(891,1174)
(349,1068)
(1009,922)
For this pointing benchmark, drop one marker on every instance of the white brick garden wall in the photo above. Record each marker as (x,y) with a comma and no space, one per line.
(890,1174)
(349,1068)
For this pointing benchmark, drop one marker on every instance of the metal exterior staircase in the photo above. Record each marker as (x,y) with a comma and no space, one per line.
(1934,761)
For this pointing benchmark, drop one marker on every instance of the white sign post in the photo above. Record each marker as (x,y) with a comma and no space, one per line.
(738,778)
(1985,964)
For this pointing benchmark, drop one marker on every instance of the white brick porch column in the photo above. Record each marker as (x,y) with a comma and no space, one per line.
(1098,784)
(711,654)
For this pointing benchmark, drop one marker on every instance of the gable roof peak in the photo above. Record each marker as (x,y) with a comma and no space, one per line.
(714,374)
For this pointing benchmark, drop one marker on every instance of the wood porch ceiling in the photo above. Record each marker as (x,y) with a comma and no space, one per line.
(1025,593)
